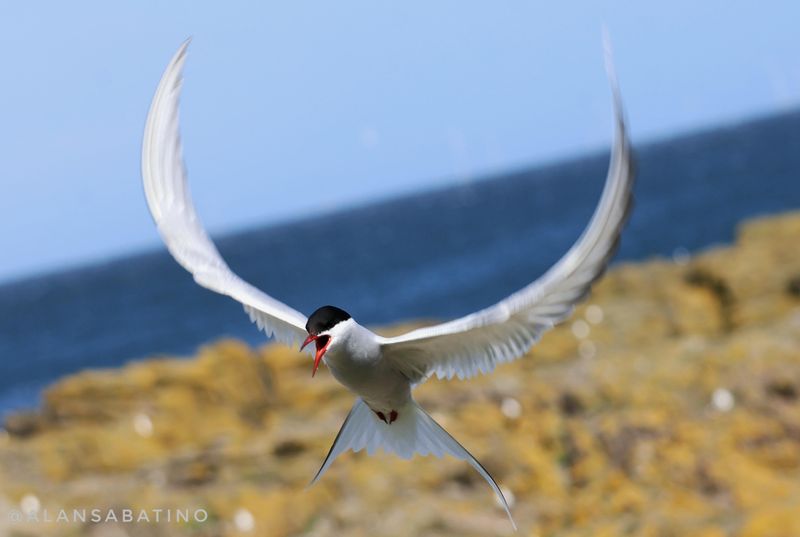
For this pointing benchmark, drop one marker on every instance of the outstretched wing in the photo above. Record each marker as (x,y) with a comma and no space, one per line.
(170,203)
(503,332)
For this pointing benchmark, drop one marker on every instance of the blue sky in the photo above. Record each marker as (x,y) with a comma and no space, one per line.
(296,107)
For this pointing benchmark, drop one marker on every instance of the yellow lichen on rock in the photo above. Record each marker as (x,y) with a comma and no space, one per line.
(671,408)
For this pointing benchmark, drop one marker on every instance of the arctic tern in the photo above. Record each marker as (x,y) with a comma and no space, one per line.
(383,371)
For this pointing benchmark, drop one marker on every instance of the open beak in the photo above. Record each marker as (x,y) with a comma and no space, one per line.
(322,343)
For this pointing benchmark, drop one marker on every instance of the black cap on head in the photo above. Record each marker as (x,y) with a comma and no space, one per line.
(325,318)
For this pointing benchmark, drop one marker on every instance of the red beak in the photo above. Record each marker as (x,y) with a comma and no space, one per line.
(309,339)
(322,343)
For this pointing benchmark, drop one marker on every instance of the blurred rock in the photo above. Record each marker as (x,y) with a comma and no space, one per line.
(673,410)
(23,424)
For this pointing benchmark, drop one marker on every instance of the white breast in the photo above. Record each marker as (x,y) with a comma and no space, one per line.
(354,359)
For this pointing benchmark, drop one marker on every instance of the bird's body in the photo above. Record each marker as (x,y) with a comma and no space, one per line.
(356,361)
(382,371)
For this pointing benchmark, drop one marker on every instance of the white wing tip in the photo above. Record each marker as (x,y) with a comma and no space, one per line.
(175,67)
(608,51)
(181,52)
(611,71)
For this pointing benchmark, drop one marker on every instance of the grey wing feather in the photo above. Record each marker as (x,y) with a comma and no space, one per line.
(505,331)
(170,203)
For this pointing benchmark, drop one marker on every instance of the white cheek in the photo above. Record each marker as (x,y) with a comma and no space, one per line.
(337,343)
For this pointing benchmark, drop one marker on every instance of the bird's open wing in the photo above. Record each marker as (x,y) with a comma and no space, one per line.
(170,203)
(503,332)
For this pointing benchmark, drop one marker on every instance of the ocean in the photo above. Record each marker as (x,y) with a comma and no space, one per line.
(431,255)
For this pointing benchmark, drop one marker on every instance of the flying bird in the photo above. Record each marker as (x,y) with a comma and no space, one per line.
(383,371)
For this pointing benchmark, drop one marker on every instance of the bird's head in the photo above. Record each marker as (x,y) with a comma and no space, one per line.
(321,328)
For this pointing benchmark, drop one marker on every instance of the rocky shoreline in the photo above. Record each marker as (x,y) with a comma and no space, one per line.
(668,405)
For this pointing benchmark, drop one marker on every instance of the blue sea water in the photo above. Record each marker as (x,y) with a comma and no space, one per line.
(435,254)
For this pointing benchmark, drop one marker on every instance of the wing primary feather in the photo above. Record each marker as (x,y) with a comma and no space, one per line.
(505,331)
(169,200)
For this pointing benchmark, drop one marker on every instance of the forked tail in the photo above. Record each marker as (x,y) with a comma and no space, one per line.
(414,431)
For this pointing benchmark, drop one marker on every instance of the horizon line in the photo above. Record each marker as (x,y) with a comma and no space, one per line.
(453,182)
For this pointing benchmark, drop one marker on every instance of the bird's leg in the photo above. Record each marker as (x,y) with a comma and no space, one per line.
(391,418)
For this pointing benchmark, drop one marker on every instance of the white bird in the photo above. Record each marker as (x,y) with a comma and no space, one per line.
(383,371)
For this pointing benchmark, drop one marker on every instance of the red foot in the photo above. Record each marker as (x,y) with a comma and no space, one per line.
(382,416)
